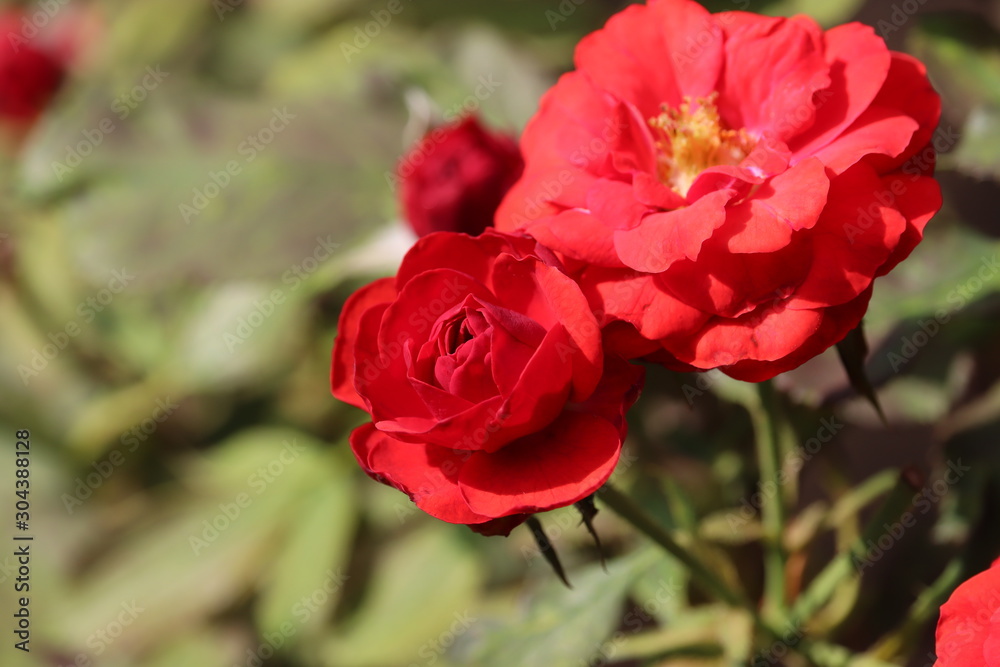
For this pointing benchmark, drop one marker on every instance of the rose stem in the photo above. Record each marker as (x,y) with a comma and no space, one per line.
(769,421)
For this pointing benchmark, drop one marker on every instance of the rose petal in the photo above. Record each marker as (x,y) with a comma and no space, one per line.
(855,235)
(342,370)
(665,238)
(859,64)
(788,203)
(557,466)
(428,475)
(773,68)
(655,54)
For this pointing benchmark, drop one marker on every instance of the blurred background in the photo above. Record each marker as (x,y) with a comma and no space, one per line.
(178,231)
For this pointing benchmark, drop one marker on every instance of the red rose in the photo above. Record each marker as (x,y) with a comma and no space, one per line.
(30,74)
(968,633)
(729,185)
(454,178)
(483,370)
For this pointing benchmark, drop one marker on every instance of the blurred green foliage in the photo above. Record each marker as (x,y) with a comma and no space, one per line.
(193,498)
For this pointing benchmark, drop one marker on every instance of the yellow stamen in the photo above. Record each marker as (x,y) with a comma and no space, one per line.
(690,141)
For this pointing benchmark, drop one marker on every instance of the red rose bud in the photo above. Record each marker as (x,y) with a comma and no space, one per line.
(483,370)
(729,185)
(31,70)
(968,632)
(454,178)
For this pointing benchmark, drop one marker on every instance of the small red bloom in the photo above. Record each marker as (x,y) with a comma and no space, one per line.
(968,633)
(483,370)
(30,72)
(454,178)
(727,187)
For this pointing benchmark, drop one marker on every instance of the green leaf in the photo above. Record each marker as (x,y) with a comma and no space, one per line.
(565,627)
(306,579)
(422,595)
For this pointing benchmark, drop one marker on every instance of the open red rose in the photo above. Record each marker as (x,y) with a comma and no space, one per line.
(968,633)
(483,370)
(454,178)
(729,185)
(30,71)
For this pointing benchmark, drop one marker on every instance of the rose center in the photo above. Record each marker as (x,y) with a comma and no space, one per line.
(692,138)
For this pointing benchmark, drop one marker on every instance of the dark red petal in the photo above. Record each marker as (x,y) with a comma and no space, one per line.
(551,298)
(555,467)
(501,526)
(342,368)
(618,391)
(405,326)
(470,255)
(428,475)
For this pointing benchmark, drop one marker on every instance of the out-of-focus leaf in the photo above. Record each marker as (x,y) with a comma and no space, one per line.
(942,276)
(566,626)
(713,636)
(962,53)
(236,333)
(729,527)
(979,152)
(206,546)
(660,592)
(422,596)
(203,648)
(305,582)
(827,14)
